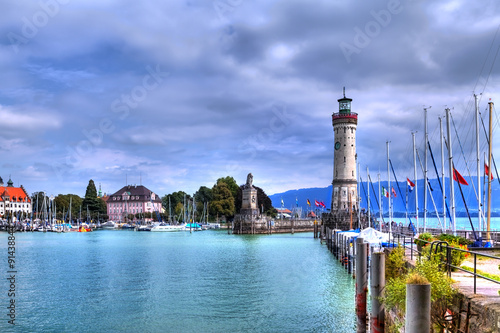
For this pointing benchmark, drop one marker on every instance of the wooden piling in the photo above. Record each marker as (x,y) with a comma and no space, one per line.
(377,286)
(361,284)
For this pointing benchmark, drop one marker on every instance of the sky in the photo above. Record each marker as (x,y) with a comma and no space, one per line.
(176,94)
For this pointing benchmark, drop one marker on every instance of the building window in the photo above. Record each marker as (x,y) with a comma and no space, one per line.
(344,159)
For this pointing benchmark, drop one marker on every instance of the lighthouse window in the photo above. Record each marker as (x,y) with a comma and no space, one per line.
(344,158)
(344,129)
(353,173)
(351,130)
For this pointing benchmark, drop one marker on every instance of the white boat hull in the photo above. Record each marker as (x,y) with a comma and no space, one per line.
(167,228)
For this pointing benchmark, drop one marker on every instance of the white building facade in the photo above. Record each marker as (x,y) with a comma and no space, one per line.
(14,201)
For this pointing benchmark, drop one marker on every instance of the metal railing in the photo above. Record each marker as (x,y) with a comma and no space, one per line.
(403,239)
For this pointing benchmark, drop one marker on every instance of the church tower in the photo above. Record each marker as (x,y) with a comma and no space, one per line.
(344,194)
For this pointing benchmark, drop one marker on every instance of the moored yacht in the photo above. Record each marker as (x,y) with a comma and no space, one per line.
(167,227)
(108,225)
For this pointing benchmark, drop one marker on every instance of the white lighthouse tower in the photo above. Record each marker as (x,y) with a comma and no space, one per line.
(344,194)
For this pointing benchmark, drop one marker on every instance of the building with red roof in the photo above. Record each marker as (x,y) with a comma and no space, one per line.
(13,199)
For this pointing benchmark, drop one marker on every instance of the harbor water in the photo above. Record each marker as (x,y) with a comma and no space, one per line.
(126,281)
(462,223)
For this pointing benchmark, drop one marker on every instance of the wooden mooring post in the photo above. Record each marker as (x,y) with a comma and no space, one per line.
(361,284)
(377,286)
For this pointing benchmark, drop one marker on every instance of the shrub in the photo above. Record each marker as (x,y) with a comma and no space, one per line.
(395,264)
(439,253)
(424,239)
(416,278)
(454,239)
(441,290)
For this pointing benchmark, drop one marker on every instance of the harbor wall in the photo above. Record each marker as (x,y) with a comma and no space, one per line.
(265,225)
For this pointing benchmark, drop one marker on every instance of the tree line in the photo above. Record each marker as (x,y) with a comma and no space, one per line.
(221,202)
(91,205)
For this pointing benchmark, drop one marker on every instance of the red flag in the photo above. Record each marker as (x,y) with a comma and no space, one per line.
(458,177)
(322,204)
(316,203)
(393,192)
(487,171)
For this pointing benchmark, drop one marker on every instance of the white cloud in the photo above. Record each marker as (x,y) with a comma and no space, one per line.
(225,75)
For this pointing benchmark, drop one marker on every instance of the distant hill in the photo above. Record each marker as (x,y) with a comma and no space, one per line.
(325,193)
(292,197)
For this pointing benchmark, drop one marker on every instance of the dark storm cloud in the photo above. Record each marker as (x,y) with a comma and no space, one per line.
(186,92)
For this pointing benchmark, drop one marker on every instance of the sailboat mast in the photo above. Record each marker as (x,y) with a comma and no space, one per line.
(450,167)
(425,169)
(70,200)
(478,160)
(490,146)
(359,196)
(389,188)
(415,177)
(441,134)
(379,201)
(369,212)
(169,211)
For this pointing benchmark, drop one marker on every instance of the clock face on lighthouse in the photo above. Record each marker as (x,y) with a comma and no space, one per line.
(337,145)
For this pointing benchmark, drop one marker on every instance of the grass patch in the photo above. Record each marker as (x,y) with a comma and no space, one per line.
(488,275)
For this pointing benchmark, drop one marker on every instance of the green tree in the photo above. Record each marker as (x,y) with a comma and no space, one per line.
(175,199)
(223,201)
(63,201)
(231,185)
(91,200)
(37,200)
(202,196)
(177,211)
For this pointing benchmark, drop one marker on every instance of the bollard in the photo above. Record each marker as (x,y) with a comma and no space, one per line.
(361,284)
(418,308)
(349,260)
(335,235)
(377,286)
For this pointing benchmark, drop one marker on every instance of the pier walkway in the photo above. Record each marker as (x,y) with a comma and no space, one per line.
(482,295)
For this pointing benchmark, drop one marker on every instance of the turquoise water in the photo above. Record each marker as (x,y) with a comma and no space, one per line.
(125,281)
(462,223)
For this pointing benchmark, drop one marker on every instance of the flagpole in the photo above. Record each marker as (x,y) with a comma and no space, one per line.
(359,196)
(488,224)
(379,202)
(484,191)
(442,171)
(406,203)
(415,177)
(425,169)
(389,188)
(281,217)
(369,212)
(450,167)
(478,160)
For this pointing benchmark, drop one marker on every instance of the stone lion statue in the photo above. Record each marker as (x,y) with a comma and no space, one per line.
(249,181)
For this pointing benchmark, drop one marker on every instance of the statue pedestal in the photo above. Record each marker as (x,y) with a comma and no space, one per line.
(248,220)
(249,204)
